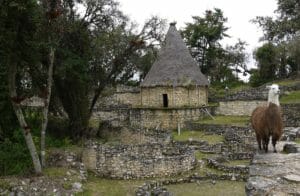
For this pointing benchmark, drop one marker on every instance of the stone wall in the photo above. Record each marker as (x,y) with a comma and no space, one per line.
(138,161)
(260,93)
(291,115)
(128,95)
(165,118)
(238,108)
(117,116)
(177,96)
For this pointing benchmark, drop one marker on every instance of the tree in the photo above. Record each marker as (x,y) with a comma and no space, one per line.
(18,24)
(283,31)
(99,48)
(267,61)
(204,37)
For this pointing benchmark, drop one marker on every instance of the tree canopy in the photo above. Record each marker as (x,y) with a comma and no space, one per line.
(204,37)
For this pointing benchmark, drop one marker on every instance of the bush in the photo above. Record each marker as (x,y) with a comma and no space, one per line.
(14,155)
(256,80)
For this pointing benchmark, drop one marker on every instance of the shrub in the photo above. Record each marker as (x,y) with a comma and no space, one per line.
(14,155)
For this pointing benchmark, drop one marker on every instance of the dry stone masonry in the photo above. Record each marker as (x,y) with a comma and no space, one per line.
(138,161)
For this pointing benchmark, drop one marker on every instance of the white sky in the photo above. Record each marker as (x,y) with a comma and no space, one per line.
(238,12)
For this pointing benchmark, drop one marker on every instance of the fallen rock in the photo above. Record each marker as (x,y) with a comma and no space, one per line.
(290,148)
(274,174)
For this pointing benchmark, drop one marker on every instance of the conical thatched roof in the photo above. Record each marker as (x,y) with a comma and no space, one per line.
(175,65)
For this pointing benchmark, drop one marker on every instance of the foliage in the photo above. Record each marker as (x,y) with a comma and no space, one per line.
(14,155)
(203,36)
(255,78)
(267,61)
(97,49)
(283,32)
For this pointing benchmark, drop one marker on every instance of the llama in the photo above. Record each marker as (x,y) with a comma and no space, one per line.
(267,120)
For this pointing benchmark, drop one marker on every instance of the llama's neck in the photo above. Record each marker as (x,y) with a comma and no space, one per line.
(273,99)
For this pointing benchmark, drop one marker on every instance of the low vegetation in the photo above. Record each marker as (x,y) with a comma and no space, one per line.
(225,188)
(201,155)
(54,172)
(292,97)
(97,186)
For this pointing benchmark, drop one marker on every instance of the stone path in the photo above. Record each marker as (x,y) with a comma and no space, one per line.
(274,173)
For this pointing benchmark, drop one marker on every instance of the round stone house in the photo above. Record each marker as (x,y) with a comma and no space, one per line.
(175,79)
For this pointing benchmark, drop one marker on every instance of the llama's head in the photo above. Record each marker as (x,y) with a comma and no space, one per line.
(274,92)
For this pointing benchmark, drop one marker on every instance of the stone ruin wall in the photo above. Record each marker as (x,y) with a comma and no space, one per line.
(126,95)
(291,114)
(238,108)
(177,97)
(165,118)
(138,161)
(121,113)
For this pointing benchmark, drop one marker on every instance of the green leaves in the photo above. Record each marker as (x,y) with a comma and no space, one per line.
(204,37)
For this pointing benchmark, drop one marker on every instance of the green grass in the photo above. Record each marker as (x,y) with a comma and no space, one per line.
(226,120)
(55,172)
(94,123)
(293,97)
(97,186)
(186,135)
(297,140)
(204,188)
(287,82)
(202,171)
(200,155)
(237,162)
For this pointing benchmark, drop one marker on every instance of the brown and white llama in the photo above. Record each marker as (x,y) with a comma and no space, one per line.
(267,120)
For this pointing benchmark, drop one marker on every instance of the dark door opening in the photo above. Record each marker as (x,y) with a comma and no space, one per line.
(165,100)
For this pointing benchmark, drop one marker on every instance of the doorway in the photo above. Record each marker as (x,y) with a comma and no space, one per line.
(165,100)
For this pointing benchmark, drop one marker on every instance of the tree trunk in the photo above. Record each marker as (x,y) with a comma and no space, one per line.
(46,106)
(24,127)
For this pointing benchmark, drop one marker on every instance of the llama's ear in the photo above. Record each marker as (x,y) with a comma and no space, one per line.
(268,87)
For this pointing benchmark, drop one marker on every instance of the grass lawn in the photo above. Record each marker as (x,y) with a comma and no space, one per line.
(97,186)
(224,188)
(55,172)
(227,120)
(287,82)
(297,140)
(197,135)
(293,97)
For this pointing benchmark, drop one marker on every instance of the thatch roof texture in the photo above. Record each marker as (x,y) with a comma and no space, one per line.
(174,66)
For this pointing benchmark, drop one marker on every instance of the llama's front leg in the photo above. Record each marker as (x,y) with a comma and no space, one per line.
(266,144)
(274,144)
(258,139)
